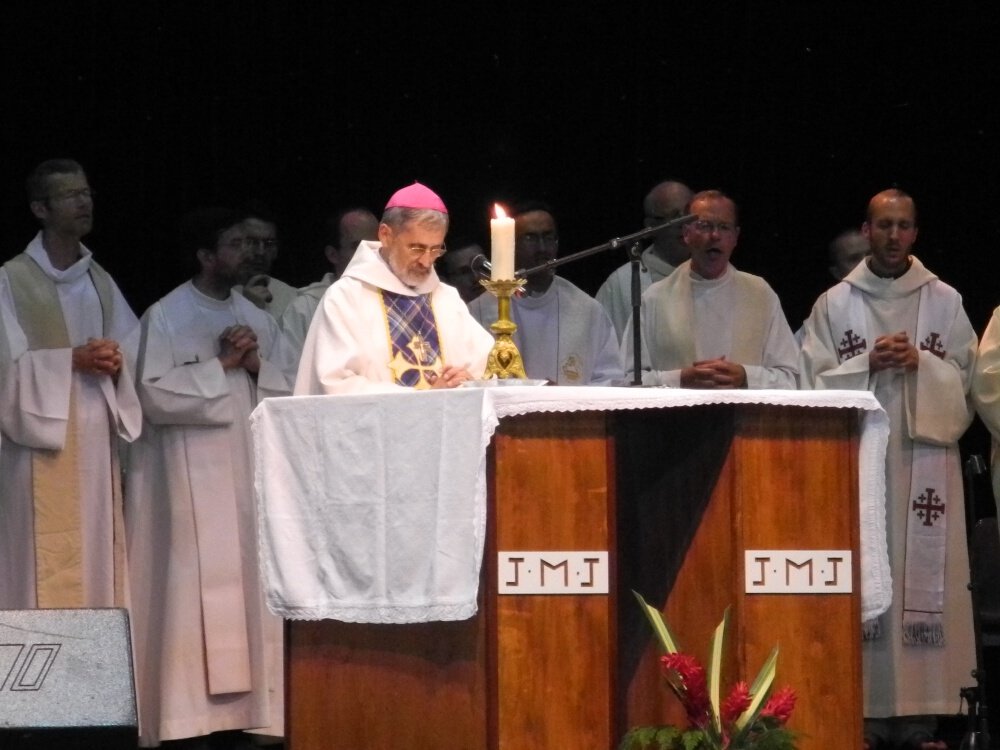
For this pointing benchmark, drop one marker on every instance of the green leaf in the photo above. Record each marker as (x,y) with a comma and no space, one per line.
(663,633)
(760,689)
(645,738)
(637,738)
(775,739)
(715,669)
(694,739)
(667,738)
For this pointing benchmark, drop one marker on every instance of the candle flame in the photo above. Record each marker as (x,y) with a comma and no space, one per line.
(498,211)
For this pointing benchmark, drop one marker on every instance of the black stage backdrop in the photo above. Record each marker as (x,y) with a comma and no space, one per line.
(800,110)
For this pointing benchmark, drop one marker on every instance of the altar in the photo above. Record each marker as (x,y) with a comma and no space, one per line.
(666,492)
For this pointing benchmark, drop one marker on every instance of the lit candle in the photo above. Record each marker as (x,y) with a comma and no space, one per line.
(501,246)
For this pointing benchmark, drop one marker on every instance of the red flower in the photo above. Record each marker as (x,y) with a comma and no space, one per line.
(693,690)
(736,703)
(780,704)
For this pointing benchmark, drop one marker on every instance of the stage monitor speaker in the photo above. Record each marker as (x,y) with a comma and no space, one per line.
(66,680)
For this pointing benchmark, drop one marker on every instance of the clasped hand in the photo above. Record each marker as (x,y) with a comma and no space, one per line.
(893,351)
(714,373)
(98,357)
(238,348)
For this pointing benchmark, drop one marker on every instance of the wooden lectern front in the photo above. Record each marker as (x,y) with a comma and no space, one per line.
(675,496)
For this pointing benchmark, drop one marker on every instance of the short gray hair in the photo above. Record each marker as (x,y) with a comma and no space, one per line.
(399,216)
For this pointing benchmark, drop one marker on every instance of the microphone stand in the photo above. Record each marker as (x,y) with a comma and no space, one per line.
(633,241)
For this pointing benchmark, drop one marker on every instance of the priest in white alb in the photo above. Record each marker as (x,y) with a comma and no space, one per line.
(388,322)
(208,651)
(708,325)
(665,202)
(348,228)
(894,328)
(563,334)
(66,397)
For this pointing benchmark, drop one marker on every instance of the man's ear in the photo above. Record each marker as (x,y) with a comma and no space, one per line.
(686,233)
(39,209)
(384,233)
(205,258)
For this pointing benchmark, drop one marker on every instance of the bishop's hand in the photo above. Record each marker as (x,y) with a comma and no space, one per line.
(451,376)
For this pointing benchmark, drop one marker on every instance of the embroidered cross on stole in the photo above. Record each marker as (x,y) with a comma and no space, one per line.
(926,528)
(413,339)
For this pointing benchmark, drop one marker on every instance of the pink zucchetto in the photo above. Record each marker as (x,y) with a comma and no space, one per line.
(416,196)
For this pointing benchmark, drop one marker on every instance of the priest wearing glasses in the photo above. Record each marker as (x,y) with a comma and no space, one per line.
(389,322)
(709,325)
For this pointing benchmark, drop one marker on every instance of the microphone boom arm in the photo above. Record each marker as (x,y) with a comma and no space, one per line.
(612,244)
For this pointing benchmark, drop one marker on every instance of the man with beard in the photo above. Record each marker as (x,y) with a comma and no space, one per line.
(66,396)
(666,201)
(893,328)
(388,322)
(708,325)
(563,334)
(208,652)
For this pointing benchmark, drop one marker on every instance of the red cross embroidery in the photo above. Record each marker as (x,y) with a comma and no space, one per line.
(933,345)
(929,507)
(851,345)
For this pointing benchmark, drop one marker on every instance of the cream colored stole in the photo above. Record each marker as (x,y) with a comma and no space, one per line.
(55,476)
(673,345)
(223,604)
(926,524)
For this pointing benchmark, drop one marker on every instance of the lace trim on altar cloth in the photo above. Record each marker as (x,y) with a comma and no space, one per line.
(510,402)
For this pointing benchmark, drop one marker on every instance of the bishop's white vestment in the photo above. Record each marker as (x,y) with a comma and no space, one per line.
(360,338)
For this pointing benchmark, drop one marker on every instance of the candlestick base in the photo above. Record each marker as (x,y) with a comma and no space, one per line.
(504,360)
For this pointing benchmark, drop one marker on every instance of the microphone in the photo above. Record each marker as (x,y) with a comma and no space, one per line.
(481,267)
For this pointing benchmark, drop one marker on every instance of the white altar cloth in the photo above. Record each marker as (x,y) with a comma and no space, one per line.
(372,507)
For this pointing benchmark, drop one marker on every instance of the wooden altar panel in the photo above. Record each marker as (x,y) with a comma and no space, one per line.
(526,671)
(352,686)
(804,460)
(553,479)
(788,481)
(675,496)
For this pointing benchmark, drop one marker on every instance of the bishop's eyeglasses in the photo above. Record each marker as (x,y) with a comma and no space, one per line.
(434,251)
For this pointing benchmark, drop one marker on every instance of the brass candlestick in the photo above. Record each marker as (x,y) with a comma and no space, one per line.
(504,360)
